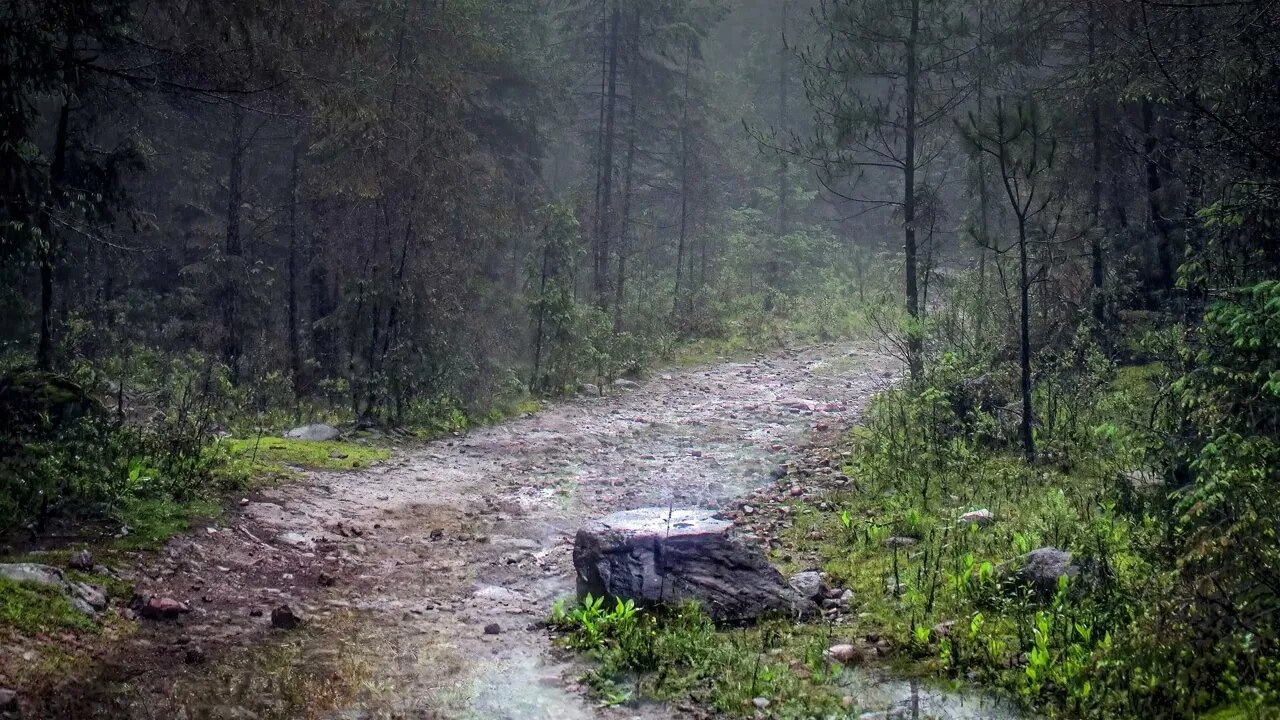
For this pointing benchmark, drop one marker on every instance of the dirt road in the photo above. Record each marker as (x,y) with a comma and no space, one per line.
(453,540)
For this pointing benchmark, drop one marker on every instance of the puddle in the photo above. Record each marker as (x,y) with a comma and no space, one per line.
(523,687)
(879,697)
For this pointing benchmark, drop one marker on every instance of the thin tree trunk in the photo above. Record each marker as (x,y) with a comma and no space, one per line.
(295,322)
(1095,245)
(624,239)
(48,243)
(599,159)
(1024,287)
(984,194)
(1156,219)
(773,268)
(233,342)
(606,172)
(684,186)
(914,344)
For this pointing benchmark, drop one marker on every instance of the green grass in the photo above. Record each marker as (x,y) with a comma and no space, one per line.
(153,521)
(30,608)
(916,470)
(679,655)
(272,457)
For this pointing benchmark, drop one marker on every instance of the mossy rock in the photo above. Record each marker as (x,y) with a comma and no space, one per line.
(40,404)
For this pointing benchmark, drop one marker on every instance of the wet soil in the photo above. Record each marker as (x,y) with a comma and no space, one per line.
(434,548)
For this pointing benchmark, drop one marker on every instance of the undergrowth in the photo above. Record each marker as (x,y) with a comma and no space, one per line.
(679,654)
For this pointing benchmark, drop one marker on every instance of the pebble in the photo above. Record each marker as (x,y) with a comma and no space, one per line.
(81,560)
(845,653)
(284,618)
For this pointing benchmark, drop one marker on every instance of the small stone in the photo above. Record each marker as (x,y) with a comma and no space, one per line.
(320,432)
(81,560)
(845,654)
(8,700)
(896,542)
(158,608)
(284,618)
(492,629)
(760,703)
(194,656)
(942,629)
(981,518)
(808,584)
(256,612)
(326,580)
(748,510)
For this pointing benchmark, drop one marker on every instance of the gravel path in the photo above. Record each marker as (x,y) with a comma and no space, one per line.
(450,538)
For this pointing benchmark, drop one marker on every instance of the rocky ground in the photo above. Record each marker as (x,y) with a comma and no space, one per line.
(439,565)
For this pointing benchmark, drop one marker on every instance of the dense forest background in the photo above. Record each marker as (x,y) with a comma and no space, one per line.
(392,205)
(235,215)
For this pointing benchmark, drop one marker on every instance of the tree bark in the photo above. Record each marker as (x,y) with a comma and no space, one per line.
(233,342)
(684,186)
(295,322)
(1098,267)
(1024,287)
(914,343)
(624,238)
(604,224)
(1157,222)
(773,268)
(48,248)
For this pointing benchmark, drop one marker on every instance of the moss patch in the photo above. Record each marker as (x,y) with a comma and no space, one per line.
(30,608)
(153,521)
(272,457)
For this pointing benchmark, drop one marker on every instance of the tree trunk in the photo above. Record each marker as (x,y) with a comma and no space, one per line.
(295,322)
(1157,222)
(599,158)
(914,343)
(233,342)
(624,239)
(684,186)
(606,172)
(1098,275)
(48,243)
(1024,287)
(773,268)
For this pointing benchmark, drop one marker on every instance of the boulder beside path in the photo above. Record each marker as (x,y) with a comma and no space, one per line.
(665,557)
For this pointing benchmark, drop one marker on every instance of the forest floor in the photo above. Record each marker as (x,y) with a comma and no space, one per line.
(424,580)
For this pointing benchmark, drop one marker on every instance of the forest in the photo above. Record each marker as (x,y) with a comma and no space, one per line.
(969,308)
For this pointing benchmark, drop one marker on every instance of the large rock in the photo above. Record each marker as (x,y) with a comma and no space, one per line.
(808,584)
(656,556)
(313,432)
(84,597)
(1040,570)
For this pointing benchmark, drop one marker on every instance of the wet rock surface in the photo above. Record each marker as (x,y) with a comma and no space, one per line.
(663,556)
(1041,570)
(313,432)
(84,597)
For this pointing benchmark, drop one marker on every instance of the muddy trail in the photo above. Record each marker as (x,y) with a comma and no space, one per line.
(447,556)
